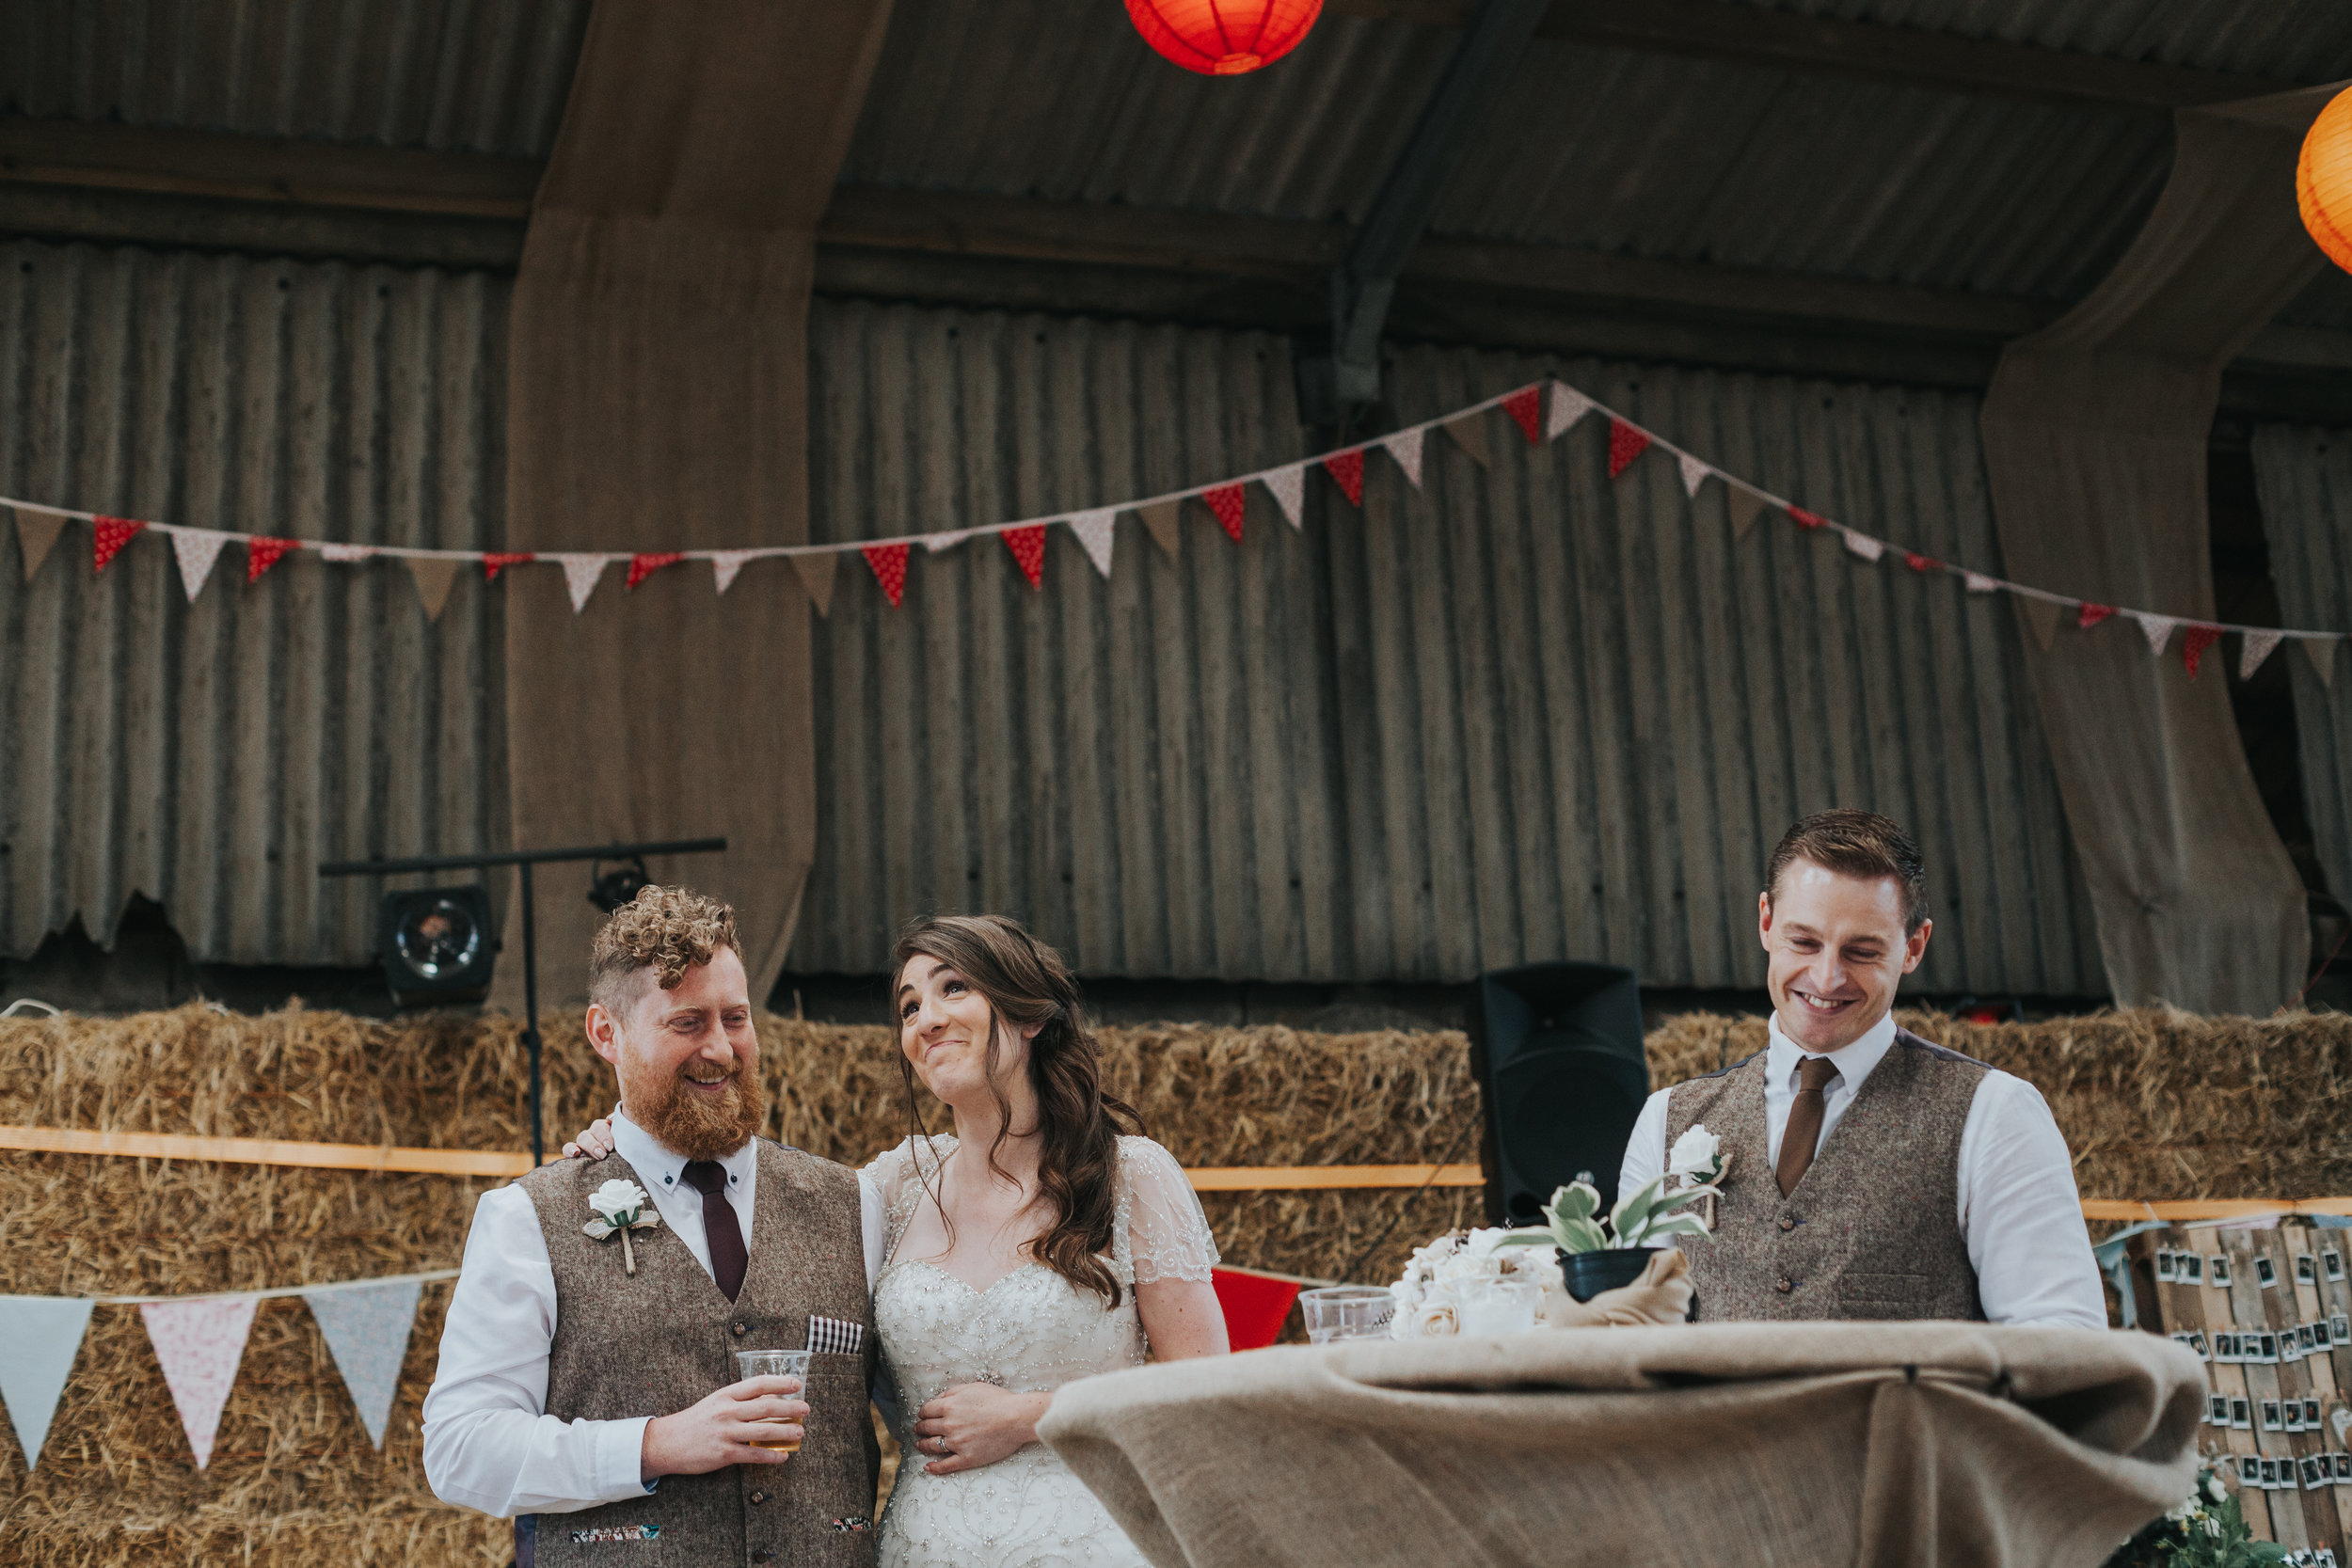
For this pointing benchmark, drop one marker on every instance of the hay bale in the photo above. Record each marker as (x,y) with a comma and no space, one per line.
(2156,1104)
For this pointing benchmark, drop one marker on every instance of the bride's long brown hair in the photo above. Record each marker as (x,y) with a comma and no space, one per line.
(1025,984)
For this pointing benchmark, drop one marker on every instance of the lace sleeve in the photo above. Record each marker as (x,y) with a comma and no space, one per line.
(1167,1236)
(895,1175)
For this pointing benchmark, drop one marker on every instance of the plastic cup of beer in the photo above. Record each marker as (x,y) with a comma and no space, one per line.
(776,1363)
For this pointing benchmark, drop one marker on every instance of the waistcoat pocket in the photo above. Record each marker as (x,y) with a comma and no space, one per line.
(1882,1295)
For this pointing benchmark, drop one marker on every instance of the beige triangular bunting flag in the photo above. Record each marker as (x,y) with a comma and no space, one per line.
(434,576)
(816,577)
(35,532)
(1745,506)
(2322,652)
(1162,518)
(1469,434)
(2253,648)
(2041,617)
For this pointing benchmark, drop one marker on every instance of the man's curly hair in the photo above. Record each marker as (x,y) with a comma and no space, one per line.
(667,929)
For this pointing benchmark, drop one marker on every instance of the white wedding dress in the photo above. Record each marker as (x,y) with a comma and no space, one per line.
(1032,1330)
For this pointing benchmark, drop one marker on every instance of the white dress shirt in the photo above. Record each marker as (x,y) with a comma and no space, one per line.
(2019,1208)
(488,1443)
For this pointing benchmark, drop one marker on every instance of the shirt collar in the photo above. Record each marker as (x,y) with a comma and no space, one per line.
(665,1168)
(1854,1062)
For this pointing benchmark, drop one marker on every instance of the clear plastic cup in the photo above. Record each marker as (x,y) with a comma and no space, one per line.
(1499,1305)
(1347,1313)
(777,1363)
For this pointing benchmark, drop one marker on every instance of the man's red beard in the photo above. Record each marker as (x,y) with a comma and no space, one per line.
(691,1122)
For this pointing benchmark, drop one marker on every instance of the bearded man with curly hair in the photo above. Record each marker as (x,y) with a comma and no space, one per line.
(588,1387)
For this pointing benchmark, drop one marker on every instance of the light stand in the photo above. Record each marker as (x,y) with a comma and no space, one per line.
(522,861)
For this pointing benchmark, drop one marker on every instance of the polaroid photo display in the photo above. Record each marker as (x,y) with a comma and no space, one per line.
(2306,1269)
(2305,1340)
(2248,1470)
(2219,1272)
(2191,1267)
(2310,1413)
(2217,1410)
(2331,1264)
(2269,1481)
(2197,1343)
(2269,1351)
(2307,1469)
(2167,1270)
(2321,1338)
(2340,1329)
(2290,1416)
(2272,1419)
(2344,1468)
(2265,1273)
(2241,1413)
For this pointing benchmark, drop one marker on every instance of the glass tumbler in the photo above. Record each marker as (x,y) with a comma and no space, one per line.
(777,1363)
(1499,1305)
(1347,1313)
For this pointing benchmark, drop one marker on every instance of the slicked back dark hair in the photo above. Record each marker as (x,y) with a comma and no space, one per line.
(1857,843)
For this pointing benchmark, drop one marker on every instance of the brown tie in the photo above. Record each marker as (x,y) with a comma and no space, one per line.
(1797,1140)
(727,1257)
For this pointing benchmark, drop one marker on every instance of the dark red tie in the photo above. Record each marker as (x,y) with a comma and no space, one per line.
(727,1257)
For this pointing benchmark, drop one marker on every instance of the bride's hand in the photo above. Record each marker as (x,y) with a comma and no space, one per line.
(596,1143)
(973,1424)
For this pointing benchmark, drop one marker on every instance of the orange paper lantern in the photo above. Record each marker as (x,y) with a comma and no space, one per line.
(1223,37)
(2323,180)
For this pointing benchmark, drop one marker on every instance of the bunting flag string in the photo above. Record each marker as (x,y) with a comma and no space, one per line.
(199,1343)
(1541,411)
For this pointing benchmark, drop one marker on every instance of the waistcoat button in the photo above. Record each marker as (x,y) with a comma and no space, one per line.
(1787,1224)
(742,1329)
(759,1497)
(1785,1286)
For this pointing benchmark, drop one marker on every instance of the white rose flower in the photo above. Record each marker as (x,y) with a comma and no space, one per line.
(618,1200)
(1694,1153)
(1435,1319)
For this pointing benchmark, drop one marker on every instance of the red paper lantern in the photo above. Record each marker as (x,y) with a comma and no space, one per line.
(2323,180)
(1223,37)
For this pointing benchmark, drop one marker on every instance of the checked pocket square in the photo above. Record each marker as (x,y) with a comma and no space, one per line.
(835,1335)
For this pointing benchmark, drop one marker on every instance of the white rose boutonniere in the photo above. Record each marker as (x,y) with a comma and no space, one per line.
(621,1206)
(1697,1157)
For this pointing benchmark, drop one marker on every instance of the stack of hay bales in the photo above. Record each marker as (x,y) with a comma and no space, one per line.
(2157,1104)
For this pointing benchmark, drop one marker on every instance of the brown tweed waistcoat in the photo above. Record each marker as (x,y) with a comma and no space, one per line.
(1874,1229)
(657,1343)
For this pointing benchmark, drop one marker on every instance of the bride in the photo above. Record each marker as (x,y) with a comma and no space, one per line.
(1035,1246)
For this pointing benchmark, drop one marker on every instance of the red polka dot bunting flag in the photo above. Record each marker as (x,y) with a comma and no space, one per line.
(1227,502)
(1526,408)
(112,534)
(497,561)
(1347,469)
(889,564)
(261,554)
(1626,443)
(2091,615)
(1802,518)
(1028,545)
(644,566)
(2194,644)
(1919,563)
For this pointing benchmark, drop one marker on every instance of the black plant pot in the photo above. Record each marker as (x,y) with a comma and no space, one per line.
(1588,1274)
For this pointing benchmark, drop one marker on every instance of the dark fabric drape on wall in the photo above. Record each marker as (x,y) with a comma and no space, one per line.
(2304,478)
(2095,437)
(659,398)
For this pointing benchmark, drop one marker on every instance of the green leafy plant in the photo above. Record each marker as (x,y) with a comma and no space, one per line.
(1642,1218)
(2207,1529)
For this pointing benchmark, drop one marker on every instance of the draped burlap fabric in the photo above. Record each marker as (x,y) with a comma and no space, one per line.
(2095,435)
(657,363)
(1879,1445)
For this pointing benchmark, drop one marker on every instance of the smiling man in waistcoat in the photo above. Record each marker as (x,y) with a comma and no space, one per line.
(600,1407)
(1872,1175)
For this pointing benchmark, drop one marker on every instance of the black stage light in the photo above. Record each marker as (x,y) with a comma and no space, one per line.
(1558,1052)
(436,945)
(618,886)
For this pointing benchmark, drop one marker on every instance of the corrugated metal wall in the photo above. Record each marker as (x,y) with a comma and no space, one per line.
(210,755)
(1527,714)
(2303,477)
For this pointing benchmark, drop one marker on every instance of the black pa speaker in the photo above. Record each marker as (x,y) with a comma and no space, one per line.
(436,945)
(1558,1052)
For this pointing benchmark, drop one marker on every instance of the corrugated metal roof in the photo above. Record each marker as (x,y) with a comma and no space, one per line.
(1527,714)
(2304,477)
(210,755)
(2294,40)
(1600,148)
(466,75)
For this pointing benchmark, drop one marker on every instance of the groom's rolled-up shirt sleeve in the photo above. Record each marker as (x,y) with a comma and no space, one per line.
(488,1442)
